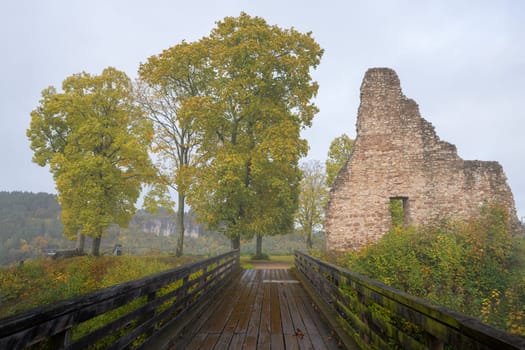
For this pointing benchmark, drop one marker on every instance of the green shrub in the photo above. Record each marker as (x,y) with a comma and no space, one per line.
(45,281)
(475,267)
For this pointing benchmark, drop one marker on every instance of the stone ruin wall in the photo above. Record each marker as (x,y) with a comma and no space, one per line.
(397,154)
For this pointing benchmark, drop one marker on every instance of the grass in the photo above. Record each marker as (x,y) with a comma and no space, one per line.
(282,259)
(247,261)
(45,281)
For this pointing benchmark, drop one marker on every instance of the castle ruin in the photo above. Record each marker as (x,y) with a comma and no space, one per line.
(397,156)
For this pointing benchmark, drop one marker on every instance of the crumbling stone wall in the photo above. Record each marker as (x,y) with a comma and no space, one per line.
(397,154)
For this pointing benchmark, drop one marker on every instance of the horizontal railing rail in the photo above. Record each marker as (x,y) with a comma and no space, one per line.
(123,316)
(378,316)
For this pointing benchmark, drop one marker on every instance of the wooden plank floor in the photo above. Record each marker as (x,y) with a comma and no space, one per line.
(261,309)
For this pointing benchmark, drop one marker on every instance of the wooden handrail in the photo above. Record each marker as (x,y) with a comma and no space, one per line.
(379,316)
(134,310)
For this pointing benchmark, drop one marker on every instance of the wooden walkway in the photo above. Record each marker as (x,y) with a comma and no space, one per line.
(261,309)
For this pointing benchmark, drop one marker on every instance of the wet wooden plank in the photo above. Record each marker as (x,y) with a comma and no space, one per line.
(237,341)
(255,317)
(193,337)
(264,339)
(218,321)
(210,341)
(277,342)
(275,310)
(317,341)
(309,325)
(240,304)
(244,318)
(303,338)
(286,318)
(196,342)
(263,310)
(223,343)
(290,340)
(239,307)
(328,335)
(294,311)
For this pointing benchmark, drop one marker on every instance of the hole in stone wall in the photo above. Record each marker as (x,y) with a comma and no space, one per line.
(399,211)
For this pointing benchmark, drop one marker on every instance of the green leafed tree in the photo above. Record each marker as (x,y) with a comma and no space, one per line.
(95,141)
(312,200)
(338,153)
(172,89)
(260,98)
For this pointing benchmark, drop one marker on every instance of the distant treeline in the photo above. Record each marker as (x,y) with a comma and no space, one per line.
(30,225)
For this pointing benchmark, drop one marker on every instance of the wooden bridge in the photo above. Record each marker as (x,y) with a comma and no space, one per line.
(213,304)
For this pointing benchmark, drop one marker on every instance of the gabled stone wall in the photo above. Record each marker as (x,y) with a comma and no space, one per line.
(397,154)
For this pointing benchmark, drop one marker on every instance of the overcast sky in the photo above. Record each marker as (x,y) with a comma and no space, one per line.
(462,61)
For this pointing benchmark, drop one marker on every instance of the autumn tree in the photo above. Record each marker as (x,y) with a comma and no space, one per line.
(338,153)
(96,143)
(260,99)
(171,85)
(312,200)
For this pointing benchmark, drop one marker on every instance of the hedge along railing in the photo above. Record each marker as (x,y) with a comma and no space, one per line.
(378,316)
(130,313)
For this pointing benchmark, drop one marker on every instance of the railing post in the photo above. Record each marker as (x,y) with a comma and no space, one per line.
(433,343)
(184,287)
(60,340)
(149,332)
(237,261)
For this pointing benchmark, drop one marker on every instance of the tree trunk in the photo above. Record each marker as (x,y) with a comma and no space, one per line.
(258,246)
(95,247)
(236,242)
(308,237)
(309,240)
(81,241)
(180,226)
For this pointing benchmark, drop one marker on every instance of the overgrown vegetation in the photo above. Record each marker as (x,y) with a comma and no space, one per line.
(475,267)
(45,281)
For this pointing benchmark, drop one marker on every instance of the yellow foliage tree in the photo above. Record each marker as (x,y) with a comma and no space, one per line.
(259,100)
(172,90)
(338,154)
(312,200)
(96,143)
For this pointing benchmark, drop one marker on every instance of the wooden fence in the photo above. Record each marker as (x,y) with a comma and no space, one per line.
(380,317)
(132,314)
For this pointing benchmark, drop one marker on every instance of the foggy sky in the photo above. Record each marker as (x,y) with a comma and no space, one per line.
(463,62)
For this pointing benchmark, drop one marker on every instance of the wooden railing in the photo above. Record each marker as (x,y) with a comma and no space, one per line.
(132,314)
(378,316)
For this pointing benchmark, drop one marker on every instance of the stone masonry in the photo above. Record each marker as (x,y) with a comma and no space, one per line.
(397,155)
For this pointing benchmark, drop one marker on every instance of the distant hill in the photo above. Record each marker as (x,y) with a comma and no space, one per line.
(30,224)
(164,224)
